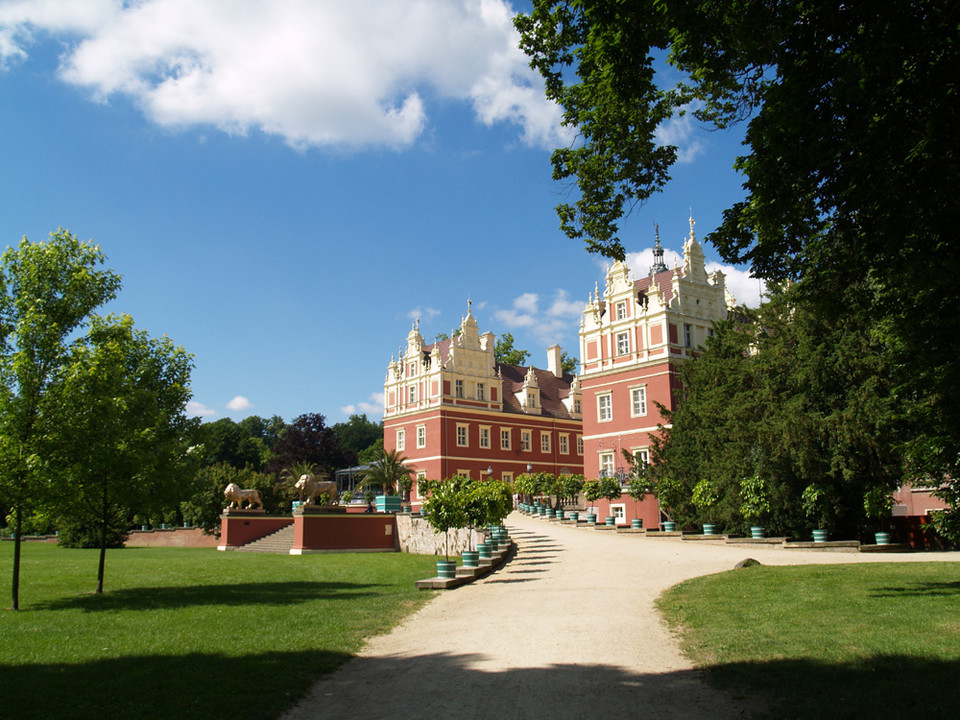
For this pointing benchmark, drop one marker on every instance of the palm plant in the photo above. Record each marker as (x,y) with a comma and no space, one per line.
(388,473)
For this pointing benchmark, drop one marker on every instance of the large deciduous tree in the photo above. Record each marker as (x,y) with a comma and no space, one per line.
(308,439)
(124,395)
(48,291)
(850,164)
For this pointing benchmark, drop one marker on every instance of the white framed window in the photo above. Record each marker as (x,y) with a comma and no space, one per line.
(545,442)
(413,393)
(579,444)
(484,436)
(525,440)
(411,369)
(481,391)
(638,401)
(531,400)
(401,439)
(623,343)
(564,441)
(462,435)
(507,477)
(421,436)
(465,473)
(642,456)
(604,407)
(505,439)
(619,513)
(621,310)
(687,335)
(458,388)
(606,464)
(577,407)
(421,476)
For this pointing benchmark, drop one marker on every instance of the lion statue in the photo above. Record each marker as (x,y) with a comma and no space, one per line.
(309,489)
(238,497)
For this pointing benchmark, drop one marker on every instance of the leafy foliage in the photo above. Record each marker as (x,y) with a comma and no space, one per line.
(48,292)
(850,169)
(308,439)
(357,435)
(504,353)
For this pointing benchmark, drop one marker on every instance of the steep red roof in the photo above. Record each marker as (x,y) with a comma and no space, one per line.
(552,390)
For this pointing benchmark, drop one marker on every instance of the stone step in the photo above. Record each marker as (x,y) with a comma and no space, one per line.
(277,542)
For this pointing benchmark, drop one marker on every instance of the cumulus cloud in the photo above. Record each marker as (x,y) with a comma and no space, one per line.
(420,313)
(316,73)
(557,321)
(679,132)
(195,409)
(239,403)
(373,406)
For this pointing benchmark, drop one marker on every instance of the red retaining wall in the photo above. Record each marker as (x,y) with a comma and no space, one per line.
(345,531)
(176,537)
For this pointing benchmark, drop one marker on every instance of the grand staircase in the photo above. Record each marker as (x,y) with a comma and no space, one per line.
(277,542)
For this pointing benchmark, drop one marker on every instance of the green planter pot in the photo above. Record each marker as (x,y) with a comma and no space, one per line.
(573,515)
(708,529)
(471,558)
(446,569)
(669,526)
(483,550)
(551,513)
(637,523)
(757,532)
(592,518)
(883,538)
(820,536)
(611,520)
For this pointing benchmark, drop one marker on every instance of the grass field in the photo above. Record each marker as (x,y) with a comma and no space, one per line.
(828,641)
(189,632)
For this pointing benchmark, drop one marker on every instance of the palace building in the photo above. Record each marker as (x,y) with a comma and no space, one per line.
(633,338)
(450,408)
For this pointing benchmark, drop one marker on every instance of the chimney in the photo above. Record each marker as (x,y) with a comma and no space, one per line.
(553,360)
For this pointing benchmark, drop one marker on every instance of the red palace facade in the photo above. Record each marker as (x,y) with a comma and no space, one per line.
(450,409)
(633,338)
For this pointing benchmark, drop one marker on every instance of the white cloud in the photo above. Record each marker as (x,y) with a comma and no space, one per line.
(678,131)
(317,74)
(641,262)
(558,321)
(195,409)
(371,408)
(419,313)
(239,403)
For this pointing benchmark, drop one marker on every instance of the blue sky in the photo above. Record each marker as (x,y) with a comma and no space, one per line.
(285,186)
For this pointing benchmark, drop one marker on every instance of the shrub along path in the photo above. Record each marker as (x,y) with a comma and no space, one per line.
(566,630)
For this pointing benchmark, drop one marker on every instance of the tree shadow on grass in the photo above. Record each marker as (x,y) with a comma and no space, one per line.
(246,593)
(878,686)
(439,685)
(920,589)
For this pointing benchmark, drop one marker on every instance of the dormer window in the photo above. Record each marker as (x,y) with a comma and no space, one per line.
(531,400)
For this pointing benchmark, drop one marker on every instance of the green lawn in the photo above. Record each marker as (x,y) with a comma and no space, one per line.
(828,641)
(189,632)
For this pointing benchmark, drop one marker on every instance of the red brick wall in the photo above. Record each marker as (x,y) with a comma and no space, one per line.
(237,530)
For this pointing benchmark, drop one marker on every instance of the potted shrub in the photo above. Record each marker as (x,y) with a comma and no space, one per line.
(641,484)
(704,498)
(815,501)
(754,503)
(606,488)
(445,508)
(388,473)
(877,503)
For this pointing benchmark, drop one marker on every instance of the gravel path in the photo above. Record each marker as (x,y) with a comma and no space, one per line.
(568,629)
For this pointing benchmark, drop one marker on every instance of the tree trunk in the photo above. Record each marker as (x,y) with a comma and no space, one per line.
(103,543)
(18,529)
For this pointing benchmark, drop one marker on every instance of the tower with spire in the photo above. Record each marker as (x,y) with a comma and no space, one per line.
(634,335)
